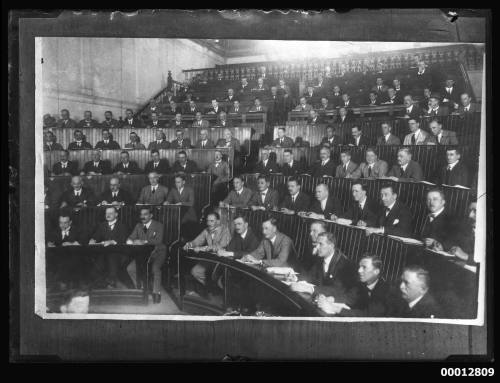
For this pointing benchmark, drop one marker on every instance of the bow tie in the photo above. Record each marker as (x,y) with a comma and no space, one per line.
(431,217)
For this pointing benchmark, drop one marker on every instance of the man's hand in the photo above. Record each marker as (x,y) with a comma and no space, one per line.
(287,211)
(429,242)
(129,242)
(250,258)
(104,203)
(438,246)
(200,248)
(333,217)
(51,244)
(188,246)
(316,216)
(396,179)
(302,287)
(109,243)
(459,253)
(92,242)
(332,308)
(224,253)
(361,223)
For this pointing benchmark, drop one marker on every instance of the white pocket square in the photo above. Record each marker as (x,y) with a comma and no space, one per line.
(396,221)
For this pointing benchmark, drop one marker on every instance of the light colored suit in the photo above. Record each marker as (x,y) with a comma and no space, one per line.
(379,169)
(280,254)
(220,173)
(353,171)
(238,200)
(422,138)
(156,198)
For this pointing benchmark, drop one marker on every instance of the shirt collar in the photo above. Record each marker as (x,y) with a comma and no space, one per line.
(244,234)
(273,239)
(371,286)
(362,203)
(112,223)
(415,301)
(438,212)
(391,205)
(239,191)
(405,166)
(327,260)
(148,224)
(453,164)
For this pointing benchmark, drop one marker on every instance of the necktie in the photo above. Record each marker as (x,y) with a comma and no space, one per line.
(408,110)
(413,140)
(379,87)
(114,194)
(64,235)
(293,199)
(79,144)
(111,227)
(263,197)
(153,190)
(387,211)
(439,139)
(447,176)
(77,193)
(369,171)
(431,217)
(345,169)
(145,229)
(402,170)
(281,140)
(155,165)
(125,166)
(96,164)
(63,166)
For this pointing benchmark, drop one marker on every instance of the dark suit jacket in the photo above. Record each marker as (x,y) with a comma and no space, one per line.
(416,112)
(239,200)
(74,146)
(69,197)
(55,146)
(151,125)
(112,145)
(332,206)
(319,120)
(154,234)
(348,118)
(132,168)
(459,175)
(187,199)
(110,124)
(88,124)
(271,167)
(218,123)
(444,229)
(368,214)
(204,124)
(72,168)
(136,123)
(175,125)
(287,142)
(353,171)
(159,196)
(398,222)
(317,170)
(234,143)
(302,202)
(281,254)
(168,110)
(340,281)
(413,172)
(103,233)
(55,236)
(153,145)
(211,110)
(336,141)
(448,137)
(208,145)
(240,246)
(363,141)
(352,104)
(427,307)
(191,167)
(294,170)
(454,96)
(70,124)
(473,108)
(103,168)
(270,202)
(184,144)
(163,167)
(442,111)
(376,304)
(392,140)
(122,196)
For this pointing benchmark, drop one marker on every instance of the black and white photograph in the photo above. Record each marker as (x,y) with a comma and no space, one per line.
(313,179)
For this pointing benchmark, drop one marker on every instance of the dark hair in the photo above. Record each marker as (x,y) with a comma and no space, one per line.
(376,261)
(154,150)
(182,152)
(112,207)
(179,130)
(124,151)
(371,149)
(148,208)
(416,119)
(64,110)
(263,177)
(66,152)
(389,186)
(215,214)
(330,237)
(129,110)
(105,130)
(456,149)
(356,126)
(293,179)
(435,120)
(346,151)
(362,184)
(282,128)
(76,131)
(108,111)
(321,223)
(272,221)
(437,190)
(242,216)
(288,151)
(181,175)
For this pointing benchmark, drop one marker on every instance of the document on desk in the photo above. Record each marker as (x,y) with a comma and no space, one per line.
(281,270)
(410,241)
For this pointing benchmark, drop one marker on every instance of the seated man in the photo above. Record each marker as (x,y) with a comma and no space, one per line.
(229,141)
(230,95)
(344,116)
(244,87)
(303,106)
(337,96)
(347,102)
(373,99)
(135,142)
(66,121)
(130,121)
(275,250)
(115,195)
(109,122)
(260,87)
(331,138)
(66,234)
(239,197)
(243,240)
(373,168)
(440,136)
(455,173)
(290,167)
(183,164)
(363,211)
(191,108)
(157,164)
(463,246)
(236,108)
(172,109)
(199,122)
(79,143)
(392,97)
(108,233)
(357,137)
(379,88)
(395,218)
(440,226)
(214,238)
(78,196)
(64,167)
(87,121)
(412,109)
(283,141)
(220,177)
(155,123)
(417,301)
(49,142)
(266,165)
(435,110)
(222,121)
(96,166)
(314,119)
(180,142)
(417,136)
(257,107)
(215,108)
(125,166)
(312,96)
(467,106)
(296,201)
(265,198)
(149,232)
(451,93)
(387,137)
(347,168)
(406,169)
(154,193)
(325,204)
(183,195)
(325,105)
(49,121)
(332,273)
(325,166)
(177,123)
(204,142)
(160,142)
(107,143)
